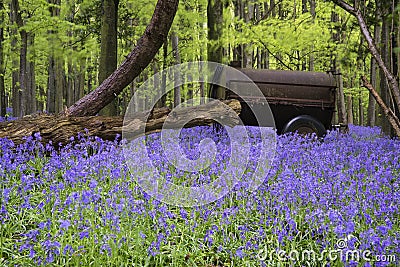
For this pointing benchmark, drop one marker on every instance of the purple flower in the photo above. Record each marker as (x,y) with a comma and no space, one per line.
(83,234)
(68,250)
(65,224)
(239,253)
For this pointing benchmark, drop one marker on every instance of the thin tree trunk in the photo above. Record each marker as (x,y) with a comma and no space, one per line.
(51,86)
(23,72)
(371,118)
(384,86)
(31,104)
(342,114)
(177,75)
(16,95)
(70,82)
(163,100)
(3,103)
(56,74)
(190,84)
(350,117)
(22,90)
(392,118)
(202,84)
(360,110)
(214,23)
(108,53)
(313,8)
(60,84)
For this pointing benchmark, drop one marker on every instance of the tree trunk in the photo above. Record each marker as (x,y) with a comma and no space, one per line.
(3,103)
(23,66)
(342,114)
(313,8)
(135,62)
(360,111)
(51,86)
(350,116)
(371,118)
(393,84)
(60,83)
(163,100)
(384,86)
(60,129)
(71,70)
(177,75)
(55,83)
(215,24)
(16,96)
(392,118)
(31,103)
(189,78)
(21,90)
(108,53)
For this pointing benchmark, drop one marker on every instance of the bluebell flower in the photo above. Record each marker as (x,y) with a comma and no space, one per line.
(65,224)
(83,234)
(239,253)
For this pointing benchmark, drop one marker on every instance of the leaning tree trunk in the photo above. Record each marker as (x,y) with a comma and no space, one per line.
(135,62)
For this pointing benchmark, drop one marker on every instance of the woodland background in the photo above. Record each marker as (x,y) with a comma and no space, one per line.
(56,51)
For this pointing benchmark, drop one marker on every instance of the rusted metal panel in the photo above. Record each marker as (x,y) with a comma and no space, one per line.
(298,86)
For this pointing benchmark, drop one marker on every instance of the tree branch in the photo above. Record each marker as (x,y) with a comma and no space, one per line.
(394,87)
(394,121)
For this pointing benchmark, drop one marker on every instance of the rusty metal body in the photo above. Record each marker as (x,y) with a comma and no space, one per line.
(290,94)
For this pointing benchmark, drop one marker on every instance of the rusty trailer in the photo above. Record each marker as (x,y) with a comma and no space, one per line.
(300,101)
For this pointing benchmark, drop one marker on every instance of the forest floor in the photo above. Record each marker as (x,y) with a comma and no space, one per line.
(333,201)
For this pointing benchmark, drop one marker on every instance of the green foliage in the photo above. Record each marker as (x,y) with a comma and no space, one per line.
(289,35)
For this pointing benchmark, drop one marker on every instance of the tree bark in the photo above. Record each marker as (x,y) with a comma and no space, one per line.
(341,106)
(3,103)
(20,90)
(384,86)
(371,118)
(214,25)
(177,75)
(360,110)
(108,49)
(60,129)
(55,87)
(31,105)
(350,116)
(394,121)
(135,62)
(16,94)
(394,87)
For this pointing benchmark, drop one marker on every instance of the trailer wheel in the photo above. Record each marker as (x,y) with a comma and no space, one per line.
(305,124)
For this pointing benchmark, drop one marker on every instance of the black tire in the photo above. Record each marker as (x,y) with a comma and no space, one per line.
(305,124)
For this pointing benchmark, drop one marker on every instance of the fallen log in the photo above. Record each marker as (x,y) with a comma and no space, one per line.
(60,128)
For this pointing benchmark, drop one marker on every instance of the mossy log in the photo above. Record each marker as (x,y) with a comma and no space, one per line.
(60,128)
